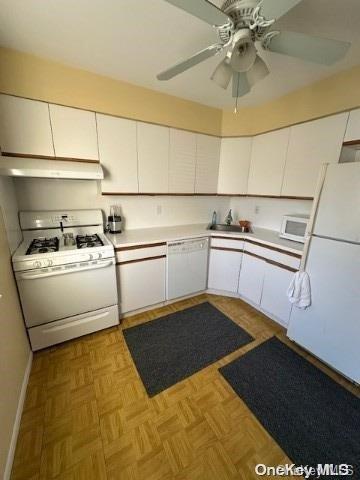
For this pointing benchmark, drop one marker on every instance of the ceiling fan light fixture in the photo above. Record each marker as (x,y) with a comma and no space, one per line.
(223,73)
(243,52)
(258,71)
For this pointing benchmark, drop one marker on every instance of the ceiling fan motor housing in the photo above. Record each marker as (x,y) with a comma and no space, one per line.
(241,13)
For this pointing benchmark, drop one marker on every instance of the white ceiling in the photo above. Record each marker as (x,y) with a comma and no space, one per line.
(133,40)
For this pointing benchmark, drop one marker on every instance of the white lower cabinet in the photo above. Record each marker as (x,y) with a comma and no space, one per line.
(140,283)
(274,299)
(252,278)
(224,269)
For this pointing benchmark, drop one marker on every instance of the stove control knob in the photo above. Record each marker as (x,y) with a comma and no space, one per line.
(37,264)
(100,255)
(49,263)
(90,256)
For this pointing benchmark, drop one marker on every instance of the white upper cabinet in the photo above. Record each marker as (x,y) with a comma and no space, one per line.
(268,157)
(310,145)
(153,158)
(74,132)
(207,163)
(235,156)
(182,161)
(353,126)
(118,154)
(25,126)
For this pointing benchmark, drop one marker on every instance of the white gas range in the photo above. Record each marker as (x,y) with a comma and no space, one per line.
(65,272)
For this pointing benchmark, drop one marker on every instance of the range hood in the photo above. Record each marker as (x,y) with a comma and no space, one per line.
(41,168)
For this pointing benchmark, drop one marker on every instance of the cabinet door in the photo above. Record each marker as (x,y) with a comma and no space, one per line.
(268,156)
(353,126)
(153,158)
(25,126)
(224,268)
(207,163)
(274,298)
(234,165)
(182,161)
(118,154)
(141,284)
(74,132)
(310,145)
(251,278)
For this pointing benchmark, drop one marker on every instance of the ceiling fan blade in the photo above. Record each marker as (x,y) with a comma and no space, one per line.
(307,47)
(274,9)
(204,10)
(190,62)
(240,84)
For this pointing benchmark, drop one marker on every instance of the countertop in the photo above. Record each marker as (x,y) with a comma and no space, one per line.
(179,232)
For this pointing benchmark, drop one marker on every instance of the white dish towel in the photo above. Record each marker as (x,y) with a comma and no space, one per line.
(299,292)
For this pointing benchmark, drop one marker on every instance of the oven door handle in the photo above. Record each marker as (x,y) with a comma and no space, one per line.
(34,276)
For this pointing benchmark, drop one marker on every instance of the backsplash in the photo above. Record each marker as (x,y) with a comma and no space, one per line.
(148,211)
(138,211)
(267,212)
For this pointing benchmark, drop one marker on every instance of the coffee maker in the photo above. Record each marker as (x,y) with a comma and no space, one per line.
(114,220)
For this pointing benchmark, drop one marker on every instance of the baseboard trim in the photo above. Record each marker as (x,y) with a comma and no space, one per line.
(16,427)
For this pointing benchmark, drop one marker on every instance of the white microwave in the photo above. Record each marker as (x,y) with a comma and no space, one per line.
(294,227)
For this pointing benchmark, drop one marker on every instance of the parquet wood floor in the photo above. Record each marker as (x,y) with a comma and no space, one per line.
(87,415)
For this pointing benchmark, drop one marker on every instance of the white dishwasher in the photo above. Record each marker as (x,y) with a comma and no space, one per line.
(187,264)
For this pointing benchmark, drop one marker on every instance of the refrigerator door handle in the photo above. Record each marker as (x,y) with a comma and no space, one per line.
(311,223)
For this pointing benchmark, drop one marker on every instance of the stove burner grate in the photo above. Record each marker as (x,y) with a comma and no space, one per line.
(88,241)
(43,245)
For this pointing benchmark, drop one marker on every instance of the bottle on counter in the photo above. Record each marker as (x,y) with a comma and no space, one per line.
(213,221)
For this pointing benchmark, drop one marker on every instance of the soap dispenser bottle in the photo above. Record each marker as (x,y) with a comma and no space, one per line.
(213,220)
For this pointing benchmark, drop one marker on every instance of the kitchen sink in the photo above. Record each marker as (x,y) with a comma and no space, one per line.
(228,228)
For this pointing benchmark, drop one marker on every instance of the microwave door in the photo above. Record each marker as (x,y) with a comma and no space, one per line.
(295,228)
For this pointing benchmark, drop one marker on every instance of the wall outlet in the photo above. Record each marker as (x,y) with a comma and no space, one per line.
(257,209)
(158,209)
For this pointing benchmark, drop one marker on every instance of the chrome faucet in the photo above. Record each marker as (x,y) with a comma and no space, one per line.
(229,218)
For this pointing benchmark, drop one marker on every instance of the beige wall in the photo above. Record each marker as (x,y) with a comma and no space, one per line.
(30,76)
(334,94)
(14,349)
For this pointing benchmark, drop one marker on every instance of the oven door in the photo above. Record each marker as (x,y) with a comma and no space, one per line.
(60,292)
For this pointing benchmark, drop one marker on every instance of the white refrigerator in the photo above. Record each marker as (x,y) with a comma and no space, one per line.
(330,327)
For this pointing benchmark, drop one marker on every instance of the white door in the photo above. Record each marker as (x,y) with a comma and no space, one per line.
(141,283)
(25,127)
(330,327)
(182,161)
(234,166)
(274,298)
(268,157)
(118,154)
(338,214)
(224,269)
(74,133)
(153,158)
(251,278)
(207,163)
(310,145)
(353,126)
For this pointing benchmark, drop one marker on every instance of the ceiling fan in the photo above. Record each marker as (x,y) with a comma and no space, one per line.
(241,23)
